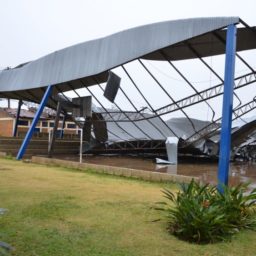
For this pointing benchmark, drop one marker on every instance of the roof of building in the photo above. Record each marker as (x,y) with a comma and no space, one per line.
(87,63)
(24,113)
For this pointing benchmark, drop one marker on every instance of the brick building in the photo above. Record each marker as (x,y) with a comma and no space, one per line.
(44,126)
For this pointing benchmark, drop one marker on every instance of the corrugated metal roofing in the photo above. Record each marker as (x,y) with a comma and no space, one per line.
(181,126)
(24,113)
(82,61)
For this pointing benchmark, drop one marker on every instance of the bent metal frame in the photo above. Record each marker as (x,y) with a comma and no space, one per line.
(86,65)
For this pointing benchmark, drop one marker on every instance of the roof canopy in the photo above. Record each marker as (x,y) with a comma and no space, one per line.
(87,63)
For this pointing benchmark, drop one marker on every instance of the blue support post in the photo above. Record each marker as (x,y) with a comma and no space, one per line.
(227,107)
(34,122)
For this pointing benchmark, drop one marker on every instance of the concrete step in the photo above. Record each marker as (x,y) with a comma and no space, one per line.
(40,150)
(3,147)
(5,142)
(37,142)
(38,146)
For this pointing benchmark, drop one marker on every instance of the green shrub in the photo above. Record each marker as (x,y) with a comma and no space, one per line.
(201,214)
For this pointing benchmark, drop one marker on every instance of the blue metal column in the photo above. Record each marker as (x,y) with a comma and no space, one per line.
(34,122)
(227,107)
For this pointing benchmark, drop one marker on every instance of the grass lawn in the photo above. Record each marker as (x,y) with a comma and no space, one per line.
(57,211)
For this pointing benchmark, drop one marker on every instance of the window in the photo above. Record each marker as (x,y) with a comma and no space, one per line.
(51,124)
(71,126)
(44,123)
(23,122)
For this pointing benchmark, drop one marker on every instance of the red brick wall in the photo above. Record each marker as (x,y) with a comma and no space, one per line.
(69,131)
(22,129)
(6,128)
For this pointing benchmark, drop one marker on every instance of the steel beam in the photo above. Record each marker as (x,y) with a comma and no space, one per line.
(150,106)
(17,119)
(210,129)
(63,126)
(30,132)
(227,107)
(190,100)
(207,94)
(54,131)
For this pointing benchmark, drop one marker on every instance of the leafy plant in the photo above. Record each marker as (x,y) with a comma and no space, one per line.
(200,213)
(239,205)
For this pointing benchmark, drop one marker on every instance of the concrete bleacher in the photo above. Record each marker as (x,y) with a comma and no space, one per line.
(38,146)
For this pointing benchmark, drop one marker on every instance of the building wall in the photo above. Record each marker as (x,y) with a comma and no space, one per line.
(6,127)
(44,126)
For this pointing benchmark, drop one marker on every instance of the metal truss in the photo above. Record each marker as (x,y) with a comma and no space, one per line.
(138,147)
(210,129)
(149,144)
(188,101)
(207,94)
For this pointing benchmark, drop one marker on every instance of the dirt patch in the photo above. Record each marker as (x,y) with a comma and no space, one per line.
(5,169)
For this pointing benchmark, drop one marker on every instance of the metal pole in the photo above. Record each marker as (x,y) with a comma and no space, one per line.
(55,129)
(17,119)
(30,132)
(81,146)
(150,106)
(109,114)
(127,116)
(187,81)
(63,126)
(49,138)
(227,107)
(168,94)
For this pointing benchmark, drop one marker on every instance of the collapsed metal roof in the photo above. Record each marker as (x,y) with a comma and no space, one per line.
(88,62)
(24,113)
(145,130)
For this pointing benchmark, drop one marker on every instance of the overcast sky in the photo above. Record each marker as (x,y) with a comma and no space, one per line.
(33,28)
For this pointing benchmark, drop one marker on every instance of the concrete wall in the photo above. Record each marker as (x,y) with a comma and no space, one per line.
(126,172)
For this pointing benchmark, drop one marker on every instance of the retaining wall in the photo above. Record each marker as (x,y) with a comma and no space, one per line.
(119,171)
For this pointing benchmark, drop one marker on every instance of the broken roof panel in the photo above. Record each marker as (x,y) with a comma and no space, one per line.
(24,113)
(97,56)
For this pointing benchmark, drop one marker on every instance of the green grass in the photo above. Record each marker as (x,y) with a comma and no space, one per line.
(56,211)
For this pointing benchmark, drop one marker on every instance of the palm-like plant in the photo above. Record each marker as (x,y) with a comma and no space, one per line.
(200,213)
